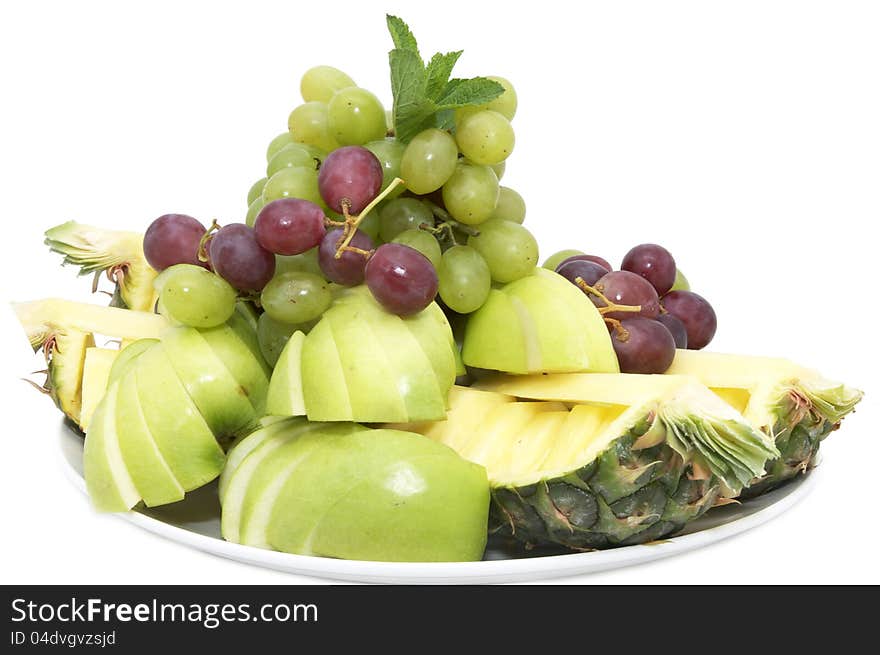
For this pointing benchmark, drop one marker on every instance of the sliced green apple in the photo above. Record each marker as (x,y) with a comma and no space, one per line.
(539,324)
(244,367)
(221,399)
(178,427)
(149,471)
(110,487)
(285,395)
(127,355)
(324,390)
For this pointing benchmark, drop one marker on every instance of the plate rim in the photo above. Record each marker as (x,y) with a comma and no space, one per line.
(521,569)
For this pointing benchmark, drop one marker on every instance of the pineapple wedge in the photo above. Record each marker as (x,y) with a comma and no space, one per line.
(95,376)
(795,406)
(119,253)
(633,460)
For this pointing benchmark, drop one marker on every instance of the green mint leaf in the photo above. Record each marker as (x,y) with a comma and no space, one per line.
(445,120)
(408,82)
(401,35)
(438,71)
(473,91)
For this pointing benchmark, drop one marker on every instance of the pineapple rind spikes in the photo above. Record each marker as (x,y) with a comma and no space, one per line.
(96,249)
(43,318)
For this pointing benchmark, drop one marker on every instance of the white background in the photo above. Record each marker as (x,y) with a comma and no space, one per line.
(743,136)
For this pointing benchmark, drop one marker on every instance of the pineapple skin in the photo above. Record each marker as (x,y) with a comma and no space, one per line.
(621,498)
(798,444)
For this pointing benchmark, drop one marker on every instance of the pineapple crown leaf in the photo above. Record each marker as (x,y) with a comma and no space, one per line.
(94,249)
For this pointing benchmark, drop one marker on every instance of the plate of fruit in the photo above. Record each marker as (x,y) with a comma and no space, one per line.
(374,377)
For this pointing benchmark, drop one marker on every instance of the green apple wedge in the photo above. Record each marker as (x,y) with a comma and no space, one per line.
(539,324)
(149,471)
(361,363)
(108,482)
(128,355)
(223,400)
(285,395)
(182,435)
(342,490)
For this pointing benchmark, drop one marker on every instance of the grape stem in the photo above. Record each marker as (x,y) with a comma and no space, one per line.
(610,306)
(203,242)
(622,332)
(352,222)
(444,216)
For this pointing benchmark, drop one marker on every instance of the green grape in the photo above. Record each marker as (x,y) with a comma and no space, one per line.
(557,258)
(389,152)
(308,124)
(465,280)
(296,297)
(276,144)
(681,282)
(306,262)
(355,116)
(509,249)
(195,296)
(273,335)
(254,209)
(402,214)
(321,82)
(505,104)
(499,169)
(423,241)
(510,207)
(316,153)
(485,137)
(428,161)
(369,226)
(291,156)
(297,182)
(471,194)
(256,190)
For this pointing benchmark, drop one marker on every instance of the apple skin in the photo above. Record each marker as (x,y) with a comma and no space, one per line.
(356,493)
(539,324)
(126,356)
(180,431)
(221,398)
(148,469)
(361,363)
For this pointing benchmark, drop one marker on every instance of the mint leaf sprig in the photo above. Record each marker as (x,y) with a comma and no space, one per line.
(424,95)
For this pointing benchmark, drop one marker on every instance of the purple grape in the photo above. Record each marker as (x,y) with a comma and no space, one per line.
(625,288)
(589,271)
(697,315)
(587,258)
(290,226)
(173,239)
(401,278)
(643,346)
(238,258)
(348,269)
(350,173)
(676,328)
(652,262)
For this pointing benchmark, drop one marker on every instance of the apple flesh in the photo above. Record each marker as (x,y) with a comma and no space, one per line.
(345,491)
(539,324)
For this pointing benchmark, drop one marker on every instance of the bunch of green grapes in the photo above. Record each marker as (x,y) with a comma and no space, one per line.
(451,207)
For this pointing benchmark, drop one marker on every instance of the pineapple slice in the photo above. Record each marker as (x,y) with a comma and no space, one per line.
(634,460)
(120,254)
(65,331)
(95,376)
(796,406)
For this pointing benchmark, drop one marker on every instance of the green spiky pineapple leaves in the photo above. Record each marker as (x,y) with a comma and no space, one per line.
(425,95)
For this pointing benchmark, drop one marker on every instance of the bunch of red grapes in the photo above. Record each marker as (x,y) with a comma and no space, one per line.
(644,340)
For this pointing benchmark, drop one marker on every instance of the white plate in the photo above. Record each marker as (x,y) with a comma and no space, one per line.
(195,522)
